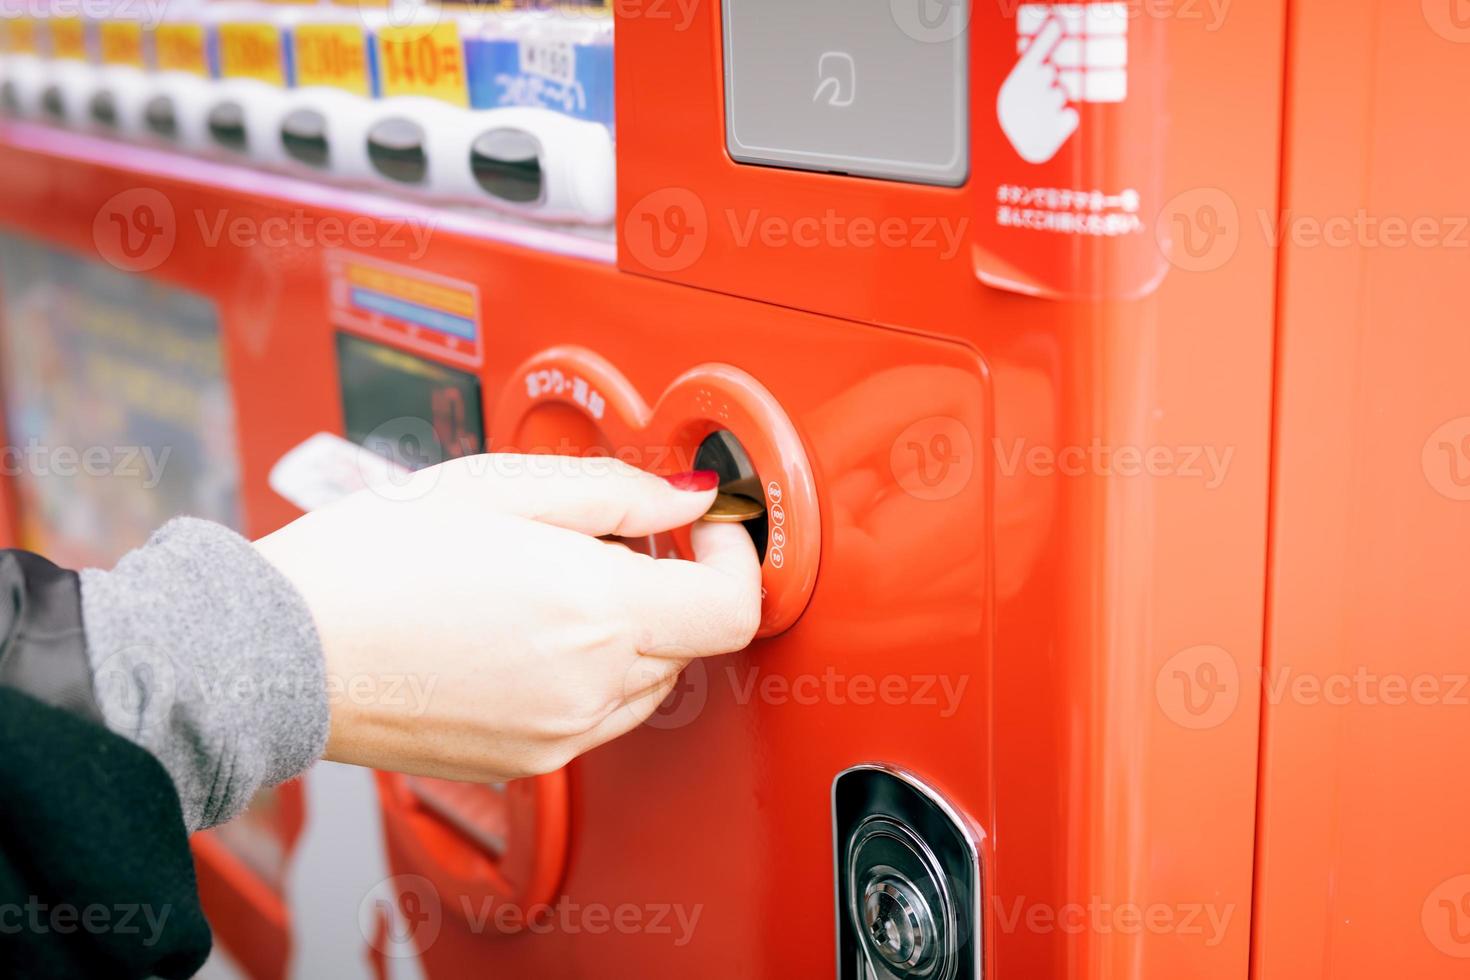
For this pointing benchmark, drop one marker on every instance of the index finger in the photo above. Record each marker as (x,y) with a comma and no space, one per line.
(1042,44)
(699,608)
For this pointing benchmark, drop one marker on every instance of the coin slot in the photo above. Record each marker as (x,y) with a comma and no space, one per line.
(104,108)
(52,102)
(227,125)
(722,452)
(160,118)
(9,98)
(506,164)
(304,137)
(396,149)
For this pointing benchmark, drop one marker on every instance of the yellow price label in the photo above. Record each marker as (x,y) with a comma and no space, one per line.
(423,61)
(121,42)
(252,51)
(181,47)
(21,36)
(68,38)
(331,54)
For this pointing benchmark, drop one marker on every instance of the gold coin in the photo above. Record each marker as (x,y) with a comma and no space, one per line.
(731,508)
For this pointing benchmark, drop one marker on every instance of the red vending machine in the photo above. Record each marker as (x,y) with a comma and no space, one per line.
(1063,442)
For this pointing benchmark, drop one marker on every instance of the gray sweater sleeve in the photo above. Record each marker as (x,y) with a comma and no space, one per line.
(204,654)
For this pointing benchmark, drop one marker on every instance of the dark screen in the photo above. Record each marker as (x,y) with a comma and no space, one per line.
(409,409)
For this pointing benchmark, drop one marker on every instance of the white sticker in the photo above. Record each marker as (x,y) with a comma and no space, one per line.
(556,60)
(325,468)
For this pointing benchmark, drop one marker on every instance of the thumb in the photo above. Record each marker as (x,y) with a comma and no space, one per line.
(1042,45)
(595,495)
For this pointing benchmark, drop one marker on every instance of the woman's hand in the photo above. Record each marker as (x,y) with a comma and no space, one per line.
(474,627)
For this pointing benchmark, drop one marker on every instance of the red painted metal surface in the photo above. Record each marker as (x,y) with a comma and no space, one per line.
(1037,522)
(1363,865)
(1109,584)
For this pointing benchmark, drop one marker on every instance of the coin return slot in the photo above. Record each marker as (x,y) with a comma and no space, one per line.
(721,451)
(304,136)
(159,117)
(227,125)
(396,149)
(104,108)
(507,165)
(52,102)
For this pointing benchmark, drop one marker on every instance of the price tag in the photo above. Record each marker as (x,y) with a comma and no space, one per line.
(21,36)
(252,51)
(68,39)
(180,47)
(332,54)
(556,60)
(423,61)
(121,42)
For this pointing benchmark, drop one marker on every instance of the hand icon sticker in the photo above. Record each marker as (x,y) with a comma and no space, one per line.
(1032,106)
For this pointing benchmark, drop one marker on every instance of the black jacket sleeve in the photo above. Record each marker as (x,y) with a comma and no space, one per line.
(96,876)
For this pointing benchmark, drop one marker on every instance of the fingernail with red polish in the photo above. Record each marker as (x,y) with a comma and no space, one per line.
(696,481)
